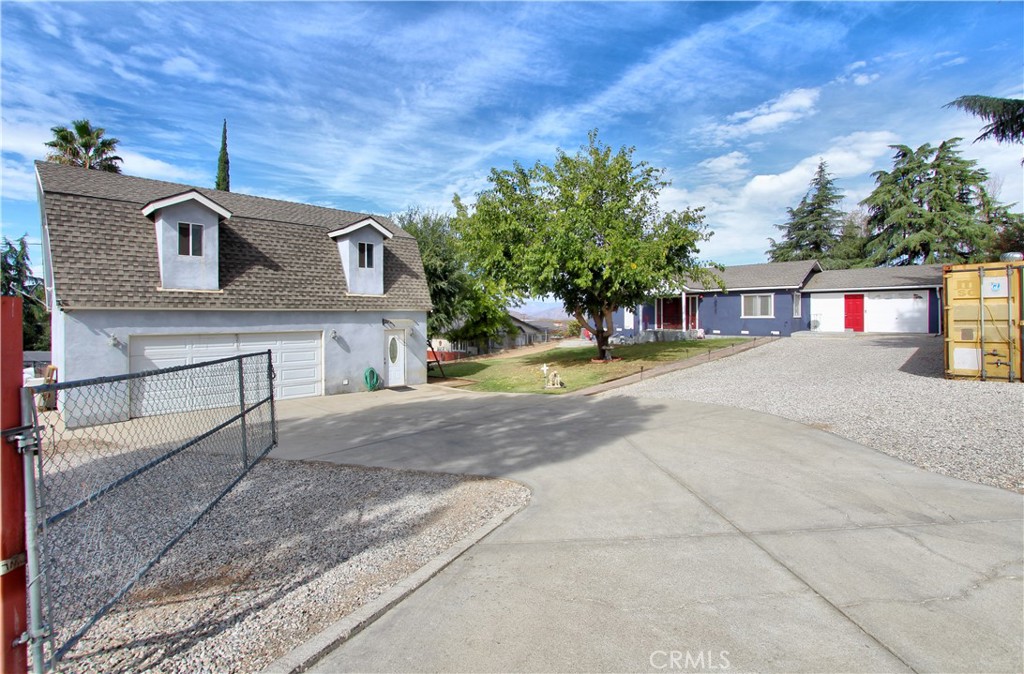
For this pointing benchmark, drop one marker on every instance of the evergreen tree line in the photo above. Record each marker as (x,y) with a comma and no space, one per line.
(933,207)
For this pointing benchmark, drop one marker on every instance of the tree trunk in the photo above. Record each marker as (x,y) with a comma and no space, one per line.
(602,327)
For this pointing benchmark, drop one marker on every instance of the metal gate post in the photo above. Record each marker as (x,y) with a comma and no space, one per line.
(241,411)
(270,387)
(29,446)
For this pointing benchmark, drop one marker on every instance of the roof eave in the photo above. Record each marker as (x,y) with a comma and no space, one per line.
(190,195)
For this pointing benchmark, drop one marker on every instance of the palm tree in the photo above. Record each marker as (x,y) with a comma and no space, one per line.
(1005,116)
(84,146)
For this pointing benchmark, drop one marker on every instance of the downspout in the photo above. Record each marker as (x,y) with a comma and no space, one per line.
(685,313)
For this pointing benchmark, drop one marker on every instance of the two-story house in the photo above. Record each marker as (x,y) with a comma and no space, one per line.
(143,274)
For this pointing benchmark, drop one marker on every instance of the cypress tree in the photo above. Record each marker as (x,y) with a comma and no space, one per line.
(223,164)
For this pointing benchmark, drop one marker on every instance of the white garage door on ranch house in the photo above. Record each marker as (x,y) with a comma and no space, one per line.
(143,274)
(876,300)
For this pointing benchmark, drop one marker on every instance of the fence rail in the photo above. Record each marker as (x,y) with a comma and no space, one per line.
(126,466)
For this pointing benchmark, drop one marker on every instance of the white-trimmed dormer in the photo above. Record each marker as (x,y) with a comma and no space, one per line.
(361,247)
(187,240)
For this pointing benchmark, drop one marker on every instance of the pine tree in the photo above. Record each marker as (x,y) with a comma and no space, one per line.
(223,164)
(1005,116)
(928,209)
(812,230)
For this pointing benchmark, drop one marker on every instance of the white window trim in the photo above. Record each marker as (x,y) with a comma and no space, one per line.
(365,254)
(191,236)
(771,304)
(797,304)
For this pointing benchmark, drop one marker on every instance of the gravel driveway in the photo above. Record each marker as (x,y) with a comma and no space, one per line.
(885,392)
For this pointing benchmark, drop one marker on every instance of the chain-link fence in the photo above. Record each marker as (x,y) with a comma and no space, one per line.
(127,465)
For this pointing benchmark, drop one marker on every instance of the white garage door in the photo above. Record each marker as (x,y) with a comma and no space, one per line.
(896,311)
(296,356)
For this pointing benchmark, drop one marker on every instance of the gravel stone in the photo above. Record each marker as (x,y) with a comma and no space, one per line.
(293,548)
(886,392)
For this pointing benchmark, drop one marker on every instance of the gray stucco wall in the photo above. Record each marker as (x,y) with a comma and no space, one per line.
(186,271)
(82,349)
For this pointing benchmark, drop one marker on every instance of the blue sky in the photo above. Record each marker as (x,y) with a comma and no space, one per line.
(381,106)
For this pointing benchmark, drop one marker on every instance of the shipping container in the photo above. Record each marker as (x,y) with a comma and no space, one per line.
(984,320)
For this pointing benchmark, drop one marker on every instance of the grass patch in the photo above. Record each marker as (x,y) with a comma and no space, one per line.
(522,374)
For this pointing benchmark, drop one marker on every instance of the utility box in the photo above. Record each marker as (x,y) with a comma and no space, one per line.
(984,320)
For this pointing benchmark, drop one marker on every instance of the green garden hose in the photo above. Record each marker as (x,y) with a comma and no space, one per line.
(371,379)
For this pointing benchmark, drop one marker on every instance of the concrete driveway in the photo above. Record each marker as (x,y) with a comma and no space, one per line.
(669,535)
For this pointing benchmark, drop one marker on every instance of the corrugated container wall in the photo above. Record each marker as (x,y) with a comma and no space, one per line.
(984,320)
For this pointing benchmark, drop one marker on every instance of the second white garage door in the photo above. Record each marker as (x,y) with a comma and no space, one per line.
(297,356)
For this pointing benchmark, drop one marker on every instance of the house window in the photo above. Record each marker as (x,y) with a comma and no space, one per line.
(190,239)
(366,256)
(758,306)
(797,309)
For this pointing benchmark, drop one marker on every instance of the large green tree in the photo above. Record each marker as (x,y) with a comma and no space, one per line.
(447,279)
(926,209)
(18,281)
(587,229)
(812,231)
(223,163)
(1005,116)
(465,307)
(849,249)
(84,145)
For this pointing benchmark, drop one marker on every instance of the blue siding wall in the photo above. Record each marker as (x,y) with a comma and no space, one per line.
(619,320)
(723,312)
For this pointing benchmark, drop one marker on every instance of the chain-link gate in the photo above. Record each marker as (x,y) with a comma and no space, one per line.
(124,467)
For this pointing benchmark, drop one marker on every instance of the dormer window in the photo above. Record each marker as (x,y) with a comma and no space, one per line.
(190,239)
(366,256)
(356,242)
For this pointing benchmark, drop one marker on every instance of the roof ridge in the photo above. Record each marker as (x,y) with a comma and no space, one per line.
(343,216)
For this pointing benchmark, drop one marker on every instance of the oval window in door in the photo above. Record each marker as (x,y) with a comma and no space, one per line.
(393,349)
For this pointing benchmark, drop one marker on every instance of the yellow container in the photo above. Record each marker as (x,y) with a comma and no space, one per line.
(984,320)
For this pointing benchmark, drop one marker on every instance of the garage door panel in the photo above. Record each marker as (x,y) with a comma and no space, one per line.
(296,358)
(300,357)
(905,312)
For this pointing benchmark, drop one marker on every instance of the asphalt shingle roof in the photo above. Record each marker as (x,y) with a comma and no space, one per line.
(762,276)
(273,254)
(914,276)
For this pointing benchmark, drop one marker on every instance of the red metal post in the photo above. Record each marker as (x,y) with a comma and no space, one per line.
(13,598)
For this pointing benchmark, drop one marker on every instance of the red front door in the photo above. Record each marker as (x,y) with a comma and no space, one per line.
(672,313)
(855,313)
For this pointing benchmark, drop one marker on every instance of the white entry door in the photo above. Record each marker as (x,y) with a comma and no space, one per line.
(394,354)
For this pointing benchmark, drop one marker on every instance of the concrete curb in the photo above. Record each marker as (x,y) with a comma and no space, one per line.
(673,367)
(305,656)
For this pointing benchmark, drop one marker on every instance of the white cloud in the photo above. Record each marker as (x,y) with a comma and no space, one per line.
(140,165)
(789,107)
(727,167)
(862,79)
(743,216)
(184,66)
(19,180)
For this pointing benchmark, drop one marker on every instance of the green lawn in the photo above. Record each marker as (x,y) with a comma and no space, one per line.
(522,374)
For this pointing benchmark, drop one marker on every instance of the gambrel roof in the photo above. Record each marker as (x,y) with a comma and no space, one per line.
(274,254)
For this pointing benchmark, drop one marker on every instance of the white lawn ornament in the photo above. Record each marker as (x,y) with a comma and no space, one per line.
(554,381)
